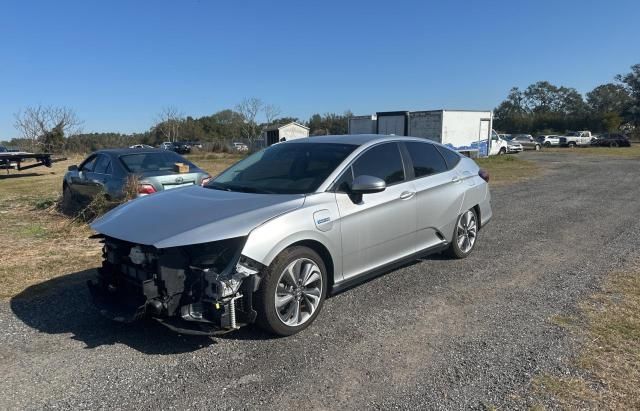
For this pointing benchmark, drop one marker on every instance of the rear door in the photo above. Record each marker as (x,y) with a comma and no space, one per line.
(96,178)
(380,228)
(80,183)
(439,191)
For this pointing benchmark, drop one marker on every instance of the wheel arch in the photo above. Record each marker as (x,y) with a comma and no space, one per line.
(323,252)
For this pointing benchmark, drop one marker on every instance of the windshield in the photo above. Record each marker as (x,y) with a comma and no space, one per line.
(159,161)
(288,168)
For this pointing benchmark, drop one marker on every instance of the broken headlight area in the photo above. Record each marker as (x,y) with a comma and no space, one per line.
(197,289)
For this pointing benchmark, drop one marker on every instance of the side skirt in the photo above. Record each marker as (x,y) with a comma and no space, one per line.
(377,272)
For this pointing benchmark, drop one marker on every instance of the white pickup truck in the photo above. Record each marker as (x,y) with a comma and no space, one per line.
(576,138)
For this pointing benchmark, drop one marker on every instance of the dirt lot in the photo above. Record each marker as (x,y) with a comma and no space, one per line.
(482,332)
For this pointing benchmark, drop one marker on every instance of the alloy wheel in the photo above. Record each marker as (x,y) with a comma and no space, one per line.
(467,231)
(298,292)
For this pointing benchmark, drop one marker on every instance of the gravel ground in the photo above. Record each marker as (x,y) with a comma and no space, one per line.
(436,334)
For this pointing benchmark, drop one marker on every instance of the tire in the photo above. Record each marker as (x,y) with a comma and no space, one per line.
(614,144)
(572,144)
(466,225)
(538,148)
(502,152)
(283,284)
(547,144)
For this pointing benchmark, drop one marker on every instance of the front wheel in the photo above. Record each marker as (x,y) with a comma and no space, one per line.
(465,235)
(502,152)
(292,291)
(572,144)
(547,144)
(538,147)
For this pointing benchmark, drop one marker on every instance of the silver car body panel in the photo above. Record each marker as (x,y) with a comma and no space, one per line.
(403,219)
(192,215)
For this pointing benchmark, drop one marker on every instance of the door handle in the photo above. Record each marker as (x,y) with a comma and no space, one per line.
(407,195)
(456,179)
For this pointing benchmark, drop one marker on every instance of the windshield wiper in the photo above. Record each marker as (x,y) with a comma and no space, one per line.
(241,189)
(216,186)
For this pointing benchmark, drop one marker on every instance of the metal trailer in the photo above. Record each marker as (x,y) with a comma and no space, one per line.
(467,131)
(7,160)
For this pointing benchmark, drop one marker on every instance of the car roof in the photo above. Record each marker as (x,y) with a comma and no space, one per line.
(353,139)
(123,151)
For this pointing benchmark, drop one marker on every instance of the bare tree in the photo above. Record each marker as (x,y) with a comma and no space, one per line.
(271,112)
(168,122)
(35,123)
(250,108)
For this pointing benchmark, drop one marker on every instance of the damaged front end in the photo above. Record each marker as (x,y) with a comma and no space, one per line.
(196,289)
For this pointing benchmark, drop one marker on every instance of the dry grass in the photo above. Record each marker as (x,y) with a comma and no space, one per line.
(508,169)
(37,242)
(610,355)
(622,152)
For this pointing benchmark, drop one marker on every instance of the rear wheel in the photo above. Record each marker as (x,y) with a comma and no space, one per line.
(538,147)
(547,144)
(502,151)
(292,291)
(572,144)
(613,144)
(465,235)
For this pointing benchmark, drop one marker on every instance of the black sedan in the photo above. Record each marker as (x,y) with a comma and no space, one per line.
(107,171)
(611,140)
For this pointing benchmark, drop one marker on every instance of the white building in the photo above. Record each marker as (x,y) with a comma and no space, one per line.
(285,132)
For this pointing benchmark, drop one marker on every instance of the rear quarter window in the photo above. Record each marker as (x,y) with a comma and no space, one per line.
(451,157)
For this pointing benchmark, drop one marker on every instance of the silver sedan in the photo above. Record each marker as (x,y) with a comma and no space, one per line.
(272,236)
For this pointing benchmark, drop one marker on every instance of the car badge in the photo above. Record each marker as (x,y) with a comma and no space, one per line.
(179,180)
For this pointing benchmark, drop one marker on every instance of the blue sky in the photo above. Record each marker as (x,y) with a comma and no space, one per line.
(117,63)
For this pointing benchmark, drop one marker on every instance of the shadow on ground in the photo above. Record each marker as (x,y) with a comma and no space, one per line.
(62,306)
(4,176)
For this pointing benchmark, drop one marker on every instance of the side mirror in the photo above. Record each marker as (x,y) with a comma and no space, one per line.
(73,168)
(367,185)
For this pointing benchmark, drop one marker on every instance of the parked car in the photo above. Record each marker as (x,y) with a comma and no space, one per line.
(611,140)
(177,146)
(549,140)
(107,171)
(527,141)
(576,138)
(269,238)
(141,146)
(240,147)
(513,147)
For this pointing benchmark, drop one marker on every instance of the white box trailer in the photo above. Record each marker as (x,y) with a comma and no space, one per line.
(467,131)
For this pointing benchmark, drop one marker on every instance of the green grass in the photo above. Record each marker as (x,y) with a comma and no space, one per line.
(508,169)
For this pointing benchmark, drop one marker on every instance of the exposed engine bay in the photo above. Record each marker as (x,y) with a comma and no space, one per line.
(196,289)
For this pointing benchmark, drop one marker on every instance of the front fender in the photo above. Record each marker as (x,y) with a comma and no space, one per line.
(268,240)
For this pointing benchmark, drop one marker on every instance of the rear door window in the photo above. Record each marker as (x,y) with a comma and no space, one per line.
(426,159)
(382,161)
(101,165)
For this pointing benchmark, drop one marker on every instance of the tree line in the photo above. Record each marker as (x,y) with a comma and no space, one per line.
(546,108)
(56,129)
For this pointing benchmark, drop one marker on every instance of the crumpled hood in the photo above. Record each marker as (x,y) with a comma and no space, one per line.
(192,215)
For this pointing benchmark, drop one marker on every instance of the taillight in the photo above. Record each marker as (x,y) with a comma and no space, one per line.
(484,175)
(205,180)
(146,189)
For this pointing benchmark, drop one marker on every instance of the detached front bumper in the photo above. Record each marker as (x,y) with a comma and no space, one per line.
(176,287)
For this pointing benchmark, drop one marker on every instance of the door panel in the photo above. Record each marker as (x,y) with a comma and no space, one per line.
(438,201)
(378,230)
